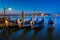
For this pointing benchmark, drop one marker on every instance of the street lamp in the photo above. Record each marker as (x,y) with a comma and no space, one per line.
(6,20)
(5,9)
(9,9)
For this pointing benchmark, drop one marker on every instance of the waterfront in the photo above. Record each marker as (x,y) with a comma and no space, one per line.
(28,34)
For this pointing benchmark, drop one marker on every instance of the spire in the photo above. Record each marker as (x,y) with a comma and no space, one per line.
(23,16)
(22,13)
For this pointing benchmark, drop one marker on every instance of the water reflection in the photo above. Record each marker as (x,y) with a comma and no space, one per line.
(36,32)
(23,34)
(28,35)
(16,34)
(50,32)
(3,35)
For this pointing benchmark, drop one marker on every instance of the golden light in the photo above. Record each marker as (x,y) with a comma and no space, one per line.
(18,21)
(6,22)
(19,24)
(31,22)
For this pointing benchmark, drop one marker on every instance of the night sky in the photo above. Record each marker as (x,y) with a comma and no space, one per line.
(48,6)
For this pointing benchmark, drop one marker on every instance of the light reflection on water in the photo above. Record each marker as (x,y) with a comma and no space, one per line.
(44,33)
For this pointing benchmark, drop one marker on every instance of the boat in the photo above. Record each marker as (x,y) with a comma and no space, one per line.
(39,23)
(4,22)
(28,21)
(35,21)
(12,23)
(50,21)
(26,24)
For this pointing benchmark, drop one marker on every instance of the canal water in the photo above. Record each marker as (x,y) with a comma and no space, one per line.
(44,33)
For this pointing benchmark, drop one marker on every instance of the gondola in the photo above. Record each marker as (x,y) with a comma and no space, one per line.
(2,22)
(28,21)
(35,21)
(50,21)
(26,24)
(12,23)
(39,23)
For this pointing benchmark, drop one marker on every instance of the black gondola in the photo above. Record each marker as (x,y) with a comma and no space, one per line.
(35,21)
(2,22)
(39,23)
(50,21)
(26,24)
(13,23)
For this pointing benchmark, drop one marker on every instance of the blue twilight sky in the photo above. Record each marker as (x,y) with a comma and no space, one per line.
(49,6)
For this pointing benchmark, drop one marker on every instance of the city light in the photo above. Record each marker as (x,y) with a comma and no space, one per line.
(42,14)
